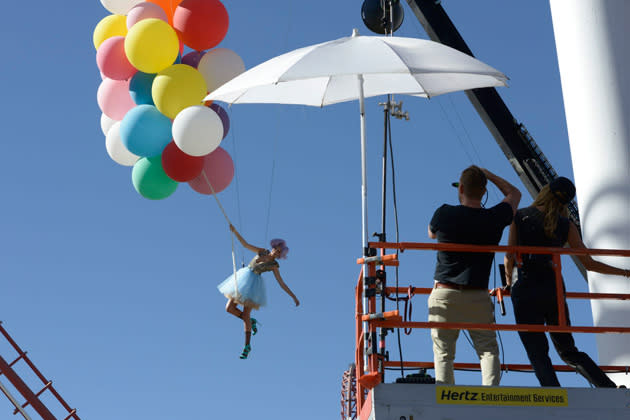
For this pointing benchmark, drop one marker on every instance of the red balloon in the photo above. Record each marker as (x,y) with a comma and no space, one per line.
(218,168)
(201,24)
(178,165)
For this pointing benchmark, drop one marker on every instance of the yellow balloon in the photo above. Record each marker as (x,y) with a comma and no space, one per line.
(151,45)
(109,26)
(177,87)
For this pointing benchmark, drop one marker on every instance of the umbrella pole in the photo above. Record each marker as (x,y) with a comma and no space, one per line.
(364,218)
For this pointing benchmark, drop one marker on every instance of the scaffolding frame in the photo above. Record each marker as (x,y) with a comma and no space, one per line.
(31,398)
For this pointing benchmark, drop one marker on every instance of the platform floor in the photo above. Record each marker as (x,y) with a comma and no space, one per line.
(460,402)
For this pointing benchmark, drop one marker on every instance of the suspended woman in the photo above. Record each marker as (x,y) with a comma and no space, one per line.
(248,289)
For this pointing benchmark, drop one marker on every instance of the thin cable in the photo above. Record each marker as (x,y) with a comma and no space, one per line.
(494,299)
(273,171)
(465,332)
(448,120)
(470,158)
(205,177)
(461,123)
(388,127)
(420,33)
(498,333)
(395,204)
(288,19)
(236,174)
(472,144)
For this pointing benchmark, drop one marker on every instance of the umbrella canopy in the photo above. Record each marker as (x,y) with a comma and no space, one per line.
(327,73)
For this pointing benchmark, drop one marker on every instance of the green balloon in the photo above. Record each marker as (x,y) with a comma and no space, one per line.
(150,180)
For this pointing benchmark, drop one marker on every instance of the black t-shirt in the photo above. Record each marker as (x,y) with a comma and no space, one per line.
(468,225)
(530,228)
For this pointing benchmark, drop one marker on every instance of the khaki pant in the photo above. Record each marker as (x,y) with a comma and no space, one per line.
(448,305)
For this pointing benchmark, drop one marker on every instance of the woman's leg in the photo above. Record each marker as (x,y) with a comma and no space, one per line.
(580,361)
(231,308)
(248,330)
(247,320)
(528,310)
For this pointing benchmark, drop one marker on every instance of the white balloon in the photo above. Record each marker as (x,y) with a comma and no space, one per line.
(197,130)
(219,66)
(119,7)
(106,123)
(116,149)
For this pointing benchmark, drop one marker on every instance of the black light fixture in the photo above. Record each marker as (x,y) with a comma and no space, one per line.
(376,15)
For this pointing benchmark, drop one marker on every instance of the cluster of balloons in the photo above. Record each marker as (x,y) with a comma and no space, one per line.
(151,95)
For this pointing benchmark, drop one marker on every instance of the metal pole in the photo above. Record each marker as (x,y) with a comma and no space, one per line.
(364,212)
(382,236)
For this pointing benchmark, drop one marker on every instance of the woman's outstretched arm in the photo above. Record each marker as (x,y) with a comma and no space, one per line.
(284,287)
(244,242)
(575,241)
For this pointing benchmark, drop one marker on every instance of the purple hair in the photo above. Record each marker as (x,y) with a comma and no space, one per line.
(280,244)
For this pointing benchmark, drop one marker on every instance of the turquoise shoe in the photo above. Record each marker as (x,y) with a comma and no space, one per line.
(246,351)
(254,326)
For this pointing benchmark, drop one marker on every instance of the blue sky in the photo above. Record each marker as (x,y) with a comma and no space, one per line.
(114,297)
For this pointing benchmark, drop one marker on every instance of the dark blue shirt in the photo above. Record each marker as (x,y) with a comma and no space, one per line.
(468,225)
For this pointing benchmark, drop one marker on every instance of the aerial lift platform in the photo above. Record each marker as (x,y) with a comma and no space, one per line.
(366,395)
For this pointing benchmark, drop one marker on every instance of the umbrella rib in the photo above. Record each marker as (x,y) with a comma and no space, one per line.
(321,105)
(397,55)
(498,75)
(238,97)
(314,48)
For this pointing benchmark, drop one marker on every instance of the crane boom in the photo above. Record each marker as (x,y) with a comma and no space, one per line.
(529,162)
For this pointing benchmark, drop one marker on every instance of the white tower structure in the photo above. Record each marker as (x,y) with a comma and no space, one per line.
(593,46)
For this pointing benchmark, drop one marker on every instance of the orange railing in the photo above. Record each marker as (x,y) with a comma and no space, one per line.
(370,367)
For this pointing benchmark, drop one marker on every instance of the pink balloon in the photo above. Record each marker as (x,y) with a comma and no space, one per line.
(218,168)
(112,60)
(114,99)
(145,10)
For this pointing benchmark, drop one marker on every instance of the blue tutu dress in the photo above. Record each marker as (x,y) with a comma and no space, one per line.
(249,287)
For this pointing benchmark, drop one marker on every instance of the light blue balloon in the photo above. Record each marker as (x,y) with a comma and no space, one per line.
(140,88)
(145,131)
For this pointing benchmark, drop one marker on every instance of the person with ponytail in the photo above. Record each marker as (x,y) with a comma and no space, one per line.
(546,223)
(246,287)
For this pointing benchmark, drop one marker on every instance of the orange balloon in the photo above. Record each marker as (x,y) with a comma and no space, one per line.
(169,7)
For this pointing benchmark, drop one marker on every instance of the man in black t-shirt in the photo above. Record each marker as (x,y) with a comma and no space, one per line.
(460,291)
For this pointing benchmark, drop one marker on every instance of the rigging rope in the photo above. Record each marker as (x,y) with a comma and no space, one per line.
(236,173)
(205,177)
(289,20)
(273,171)
(395,203)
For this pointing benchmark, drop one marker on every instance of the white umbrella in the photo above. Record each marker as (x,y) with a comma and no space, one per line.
(357,67)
